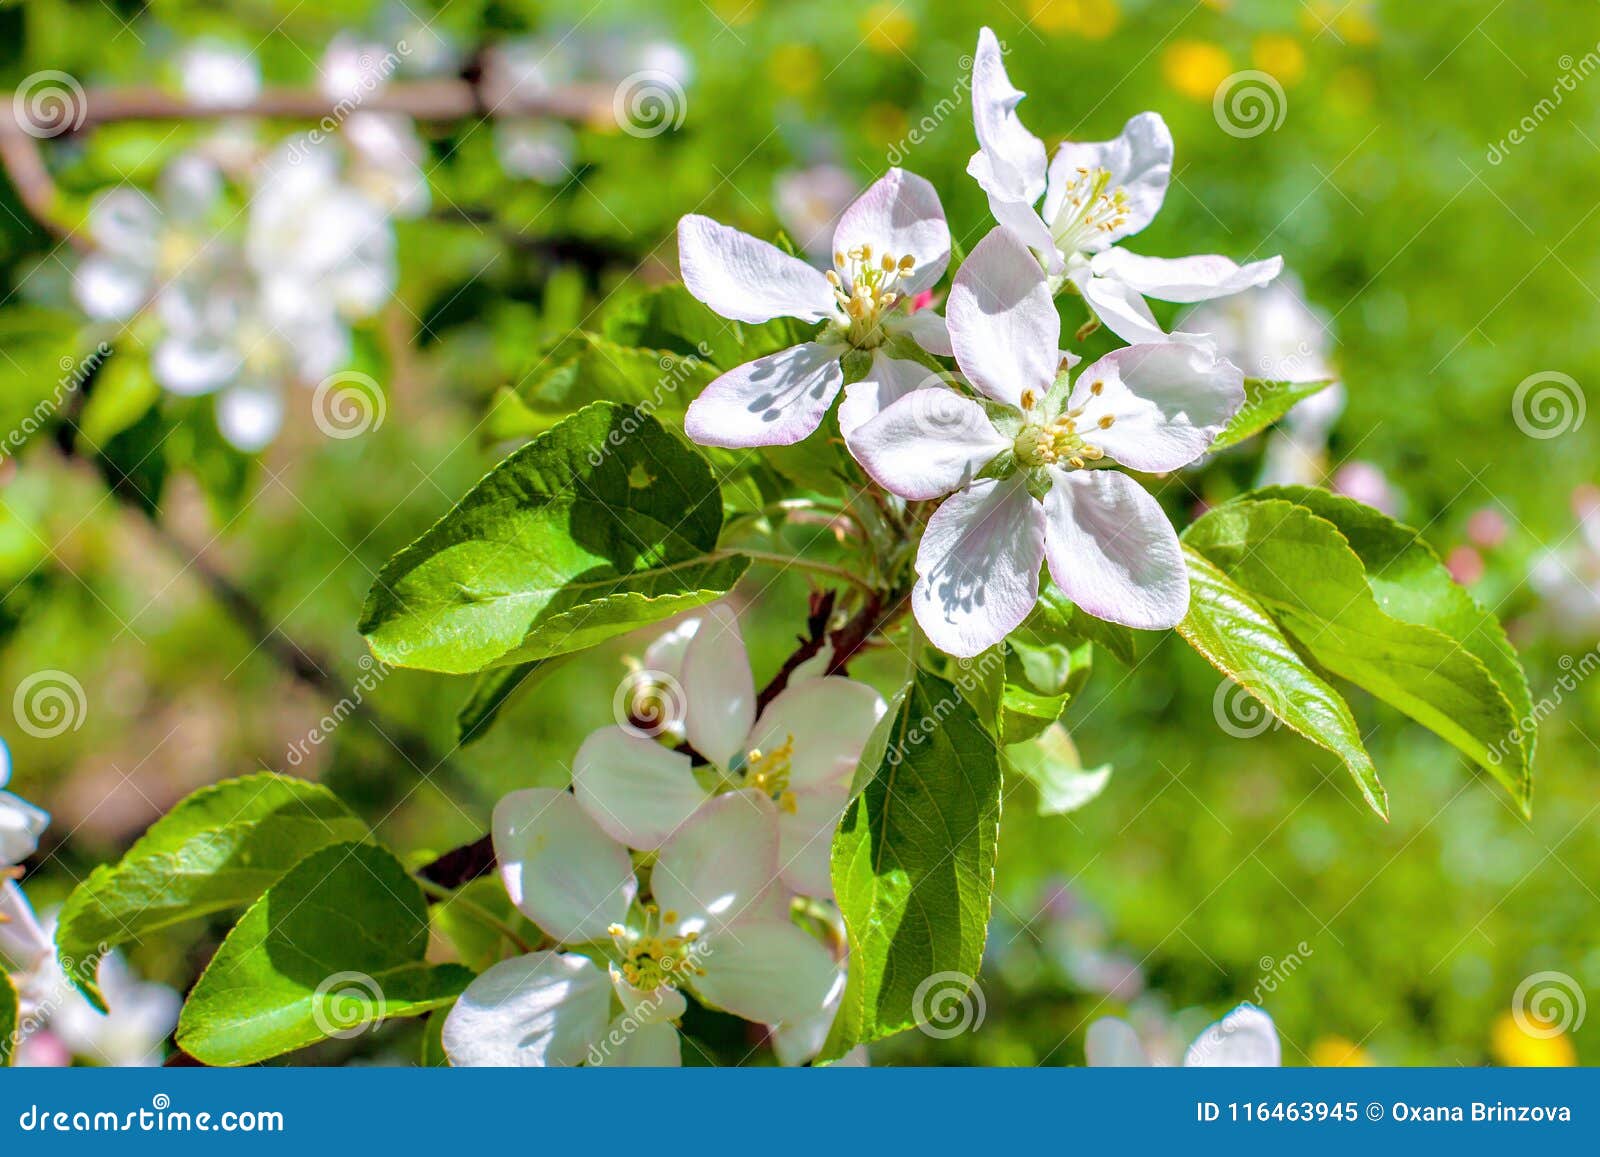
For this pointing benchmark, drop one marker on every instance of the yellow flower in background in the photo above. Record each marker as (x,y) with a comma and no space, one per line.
(1195,68)
(1350,21)
(1337,1052)
(888,28)
(1515,1046)
(1090,19)
(736,12)
(796,68)
(1280,55)
(884,122)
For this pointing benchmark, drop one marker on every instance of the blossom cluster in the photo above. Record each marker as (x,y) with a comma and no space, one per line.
(1017,441)
(674,867)
(55,1024)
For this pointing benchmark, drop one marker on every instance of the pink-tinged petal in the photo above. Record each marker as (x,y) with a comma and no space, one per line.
(927,328)
(799,1040)
(928,443)
(545,1008)
(777,400)
(1245,1038)
(561,870)
(1139,161)
(887,381)
(829,720)
(1111,1043)
(767,971)
(719,688)
(638,791)
(806,836)
(1166,403)
(1010,161)
(630,1045)
(978,566)
(899,215)
(1121,310)
(1003,322)
(745,278)
(720,866)
(1184,279)
(1112,551)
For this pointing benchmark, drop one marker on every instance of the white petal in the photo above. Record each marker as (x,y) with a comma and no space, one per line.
(638,791)
(191,186)
(767,971)
(1184,278)
(927,444)
(719,687)
(806,838)
(1139,161)
(888,380)
(560,869)
(1112,1043)
(126,223)
(249,416)
(1010,161)
(829,719)
(1245,1038)
(978,566)
(796,1041)
(1167,403)
(545,1008)
(21,825)
(899,215)
(1112,551)
(638,1046)
(1024,225)
(720,865)
(198,363)
(745,278)
(110,288)
(1121,310)
(654,1007)
(777,400)
(23,943)
(1003,323)
(927,328)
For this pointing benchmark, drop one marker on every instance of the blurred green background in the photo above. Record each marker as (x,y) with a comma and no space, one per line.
(1451,272)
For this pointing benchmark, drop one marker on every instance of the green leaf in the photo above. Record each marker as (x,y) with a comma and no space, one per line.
(913,865)
(670,318)
(219,848)
(1054,619)
(604,524)
(333,948)
(492,690)
(8,1019)
(124,391)
(1264,403)
(1041,679)
(1239,638)
(1401,635)
(1052,764)
(658,381)
(45,363)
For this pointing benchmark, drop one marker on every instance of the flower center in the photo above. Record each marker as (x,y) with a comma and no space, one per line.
(864,286)
(1059,441)
(1088,208)
(652,958)
(768,773)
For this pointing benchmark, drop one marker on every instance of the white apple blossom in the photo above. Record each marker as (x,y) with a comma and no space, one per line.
(21,824)
(215,74)
(1021,466)
(715,926)
(1245,1038)
(1094,195)
(891,244)
(801,754)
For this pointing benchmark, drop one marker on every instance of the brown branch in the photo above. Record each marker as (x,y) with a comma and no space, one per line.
(24,164)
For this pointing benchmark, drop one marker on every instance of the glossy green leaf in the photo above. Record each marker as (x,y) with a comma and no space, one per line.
(491,691)
(334,948)
(8,1019)
(1264,403)
(604,524)
(1052,764)
(219,848)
